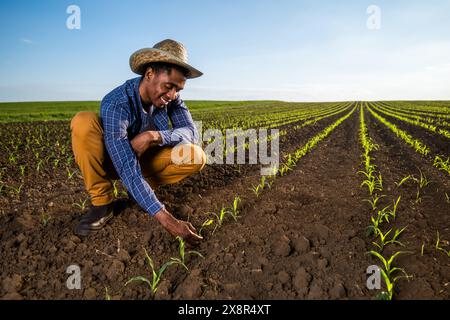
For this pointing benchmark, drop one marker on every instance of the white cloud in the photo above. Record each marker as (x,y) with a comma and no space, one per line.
(27,41)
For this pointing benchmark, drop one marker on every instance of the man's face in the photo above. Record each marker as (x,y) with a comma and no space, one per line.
(164,87)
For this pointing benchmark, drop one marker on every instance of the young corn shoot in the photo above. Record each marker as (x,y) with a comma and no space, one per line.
(182,259)
(438,245)
(393,212)
(383,238)
(398,184)
(156,275)
(234,211)
(205,224)
(373,202)
(387,273)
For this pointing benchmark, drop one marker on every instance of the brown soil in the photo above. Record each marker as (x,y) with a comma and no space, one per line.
(305,238)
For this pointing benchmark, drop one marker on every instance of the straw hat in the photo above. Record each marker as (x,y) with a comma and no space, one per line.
(169,51)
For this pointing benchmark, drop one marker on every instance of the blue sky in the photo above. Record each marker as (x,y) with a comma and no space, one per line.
(288,50)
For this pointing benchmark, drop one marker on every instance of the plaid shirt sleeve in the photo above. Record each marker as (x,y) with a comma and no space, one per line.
(183,127)
(115,121)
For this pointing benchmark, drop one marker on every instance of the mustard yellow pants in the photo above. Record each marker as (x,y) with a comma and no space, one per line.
(98,172)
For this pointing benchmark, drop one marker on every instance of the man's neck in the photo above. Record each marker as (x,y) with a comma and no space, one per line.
(146,102)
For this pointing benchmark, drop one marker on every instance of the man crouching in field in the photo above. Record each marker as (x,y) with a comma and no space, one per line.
(132,141)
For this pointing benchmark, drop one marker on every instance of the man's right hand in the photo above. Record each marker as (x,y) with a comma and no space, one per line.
(178,227)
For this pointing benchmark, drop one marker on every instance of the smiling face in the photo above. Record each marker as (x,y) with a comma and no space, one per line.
(160,88)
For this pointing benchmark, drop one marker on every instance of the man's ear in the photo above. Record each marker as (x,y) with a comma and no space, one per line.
(149,73)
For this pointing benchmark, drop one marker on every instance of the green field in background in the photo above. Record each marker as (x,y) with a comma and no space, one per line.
(65,110)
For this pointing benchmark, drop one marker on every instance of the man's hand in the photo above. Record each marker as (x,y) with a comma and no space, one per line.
(178,227)
(145,140)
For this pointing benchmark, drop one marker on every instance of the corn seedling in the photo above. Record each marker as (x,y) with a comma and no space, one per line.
(182,259)
(39,165)
(116,189)
(447,197)
(205,224)
(70,173)
(45,218)
(284,170)
(256,190)
(22,169)
(234,211)
(156,275)
(438,245)
(393,212)
(373,202)
(81,204)
(398,184)
(383,238)
(421,249)
(422,182)
(107,296)
(219,217)
(16,190)
(388,272)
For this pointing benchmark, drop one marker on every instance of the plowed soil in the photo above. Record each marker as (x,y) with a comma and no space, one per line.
(304,238)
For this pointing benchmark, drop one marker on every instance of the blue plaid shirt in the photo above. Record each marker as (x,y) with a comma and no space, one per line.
(123,118)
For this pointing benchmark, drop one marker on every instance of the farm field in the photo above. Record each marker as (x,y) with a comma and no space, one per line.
(359,184)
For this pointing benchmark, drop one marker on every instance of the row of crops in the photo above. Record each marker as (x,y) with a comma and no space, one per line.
(34,153)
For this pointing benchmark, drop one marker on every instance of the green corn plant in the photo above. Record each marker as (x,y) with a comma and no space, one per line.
(438,245)
(393,212)
(374,228)
(205,224)
(116,189)
(421,249)
(379,183)
(398,184)
(373,202)
(284,169)
(22,169)
(256,190)
(45,218)
(383,238)
(219,217)
(81,204)
(234,211)
(16,190)
(387,273)
(107,296)
(70,173)
(39,165)
(371,185)
(384,214)
(156,275)
(182,259)
(69,160)
(447,197)
(56,162)
(441,164)
(12,158)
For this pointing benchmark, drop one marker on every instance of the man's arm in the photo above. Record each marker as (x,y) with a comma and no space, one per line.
(115,123)
(183,128)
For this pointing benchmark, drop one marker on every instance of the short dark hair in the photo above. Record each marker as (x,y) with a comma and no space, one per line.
(159,67)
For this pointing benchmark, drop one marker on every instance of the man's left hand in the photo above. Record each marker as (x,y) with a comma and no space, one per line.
(145,140)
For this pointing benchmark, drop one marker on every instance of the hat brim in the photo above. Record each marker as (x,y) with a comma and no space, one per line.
(141,58)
